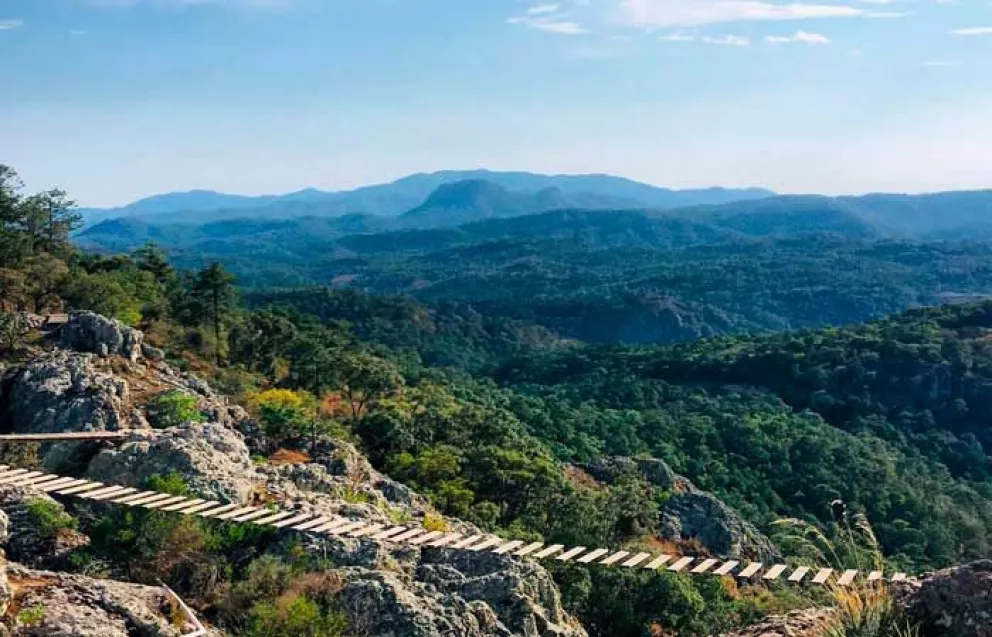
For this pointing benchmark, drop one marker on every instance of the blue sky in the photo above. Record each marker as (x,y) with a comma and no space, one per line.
(118,99)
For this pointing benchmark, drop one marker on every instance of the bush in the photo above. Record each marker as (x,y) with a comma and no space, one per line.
(49,518)
(173,408)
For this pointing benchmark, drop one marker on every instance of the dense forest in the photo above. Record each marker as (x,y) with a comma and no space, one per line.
(520,361)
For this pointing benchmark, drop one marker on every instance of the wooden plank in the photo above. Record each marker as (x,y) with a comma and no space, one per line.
(799,574)
(61,483)
(727,567)
(657,562)
(335,525)
(775,572)
(209,513)
(193,510)
(874,576)
(750,570)
(570,553)
(899,577)
(320,520)
(847,577)
(230,515)
(340,530)
(509,546)
(530,548)
(109,493)
(460,544)
(704,566)
(131,497)
(681,564)
(388,533)
(446,540)
(261,513)
(637,559)
(17,474)
(549,551)
(275,517)
(368,530)
(592,556)
(822,576)
(35,481)
(76,436)
(424,539)
(488,544)
(176,499)
(86,486)
(613,559)
(148,499)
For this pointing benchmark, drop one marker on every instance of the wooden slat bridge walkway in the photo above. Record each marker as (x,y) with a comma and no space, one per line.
(77,436)
(310,522)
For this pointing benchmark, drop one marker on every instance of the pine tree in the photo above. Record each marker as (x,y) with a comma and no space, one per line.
(213,291)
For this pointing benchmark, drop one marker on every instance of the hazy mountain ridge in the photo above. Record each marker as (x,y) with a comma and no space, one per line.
(406,193)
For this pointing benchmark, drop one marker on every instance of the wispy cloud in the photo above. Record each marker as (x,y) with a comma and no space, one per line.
(677,37)
(726,40)
(550,19)
(941,64)
(799,37)
(6,25)
(690,13)
(544,8)
(973,31)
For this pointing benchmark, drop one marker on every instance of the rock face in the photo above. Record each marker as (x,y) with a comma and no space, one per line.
(58,605)
(701,516)
(64,391)
(690,514)
(804,623)
(212,459)
(20,534)
(956,602)
(89,332)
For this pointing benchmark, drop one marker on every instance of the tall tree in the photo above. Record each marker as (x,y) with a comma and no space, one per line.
(213,290)
(12,235)
(51,217)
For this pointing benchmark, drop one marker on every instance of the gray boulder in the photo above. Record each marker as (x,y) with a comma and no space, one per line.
(697,515)
(813,622)
(212,459)
(76,606)
(91,332)
(24,541)
(955,602)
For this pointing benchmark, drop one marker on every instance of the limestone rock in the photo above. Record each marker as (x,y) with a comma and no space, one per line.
(955,602)
(701,516)
(76,606)
(90,332)
(152,353)
(802,623)
(212,459)
(23,540)
(64,391)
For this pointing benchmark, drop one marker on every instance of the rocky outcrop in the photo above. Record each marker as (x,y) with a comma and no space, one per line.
(690,514)
(90,332)
(23,536)
(64,391)
(803,623)
(212,459)
(955,602)
(59,605)
(697,515)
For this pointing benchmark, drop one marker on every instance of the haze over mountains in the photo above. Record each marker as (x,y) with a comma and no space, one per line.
(407,193)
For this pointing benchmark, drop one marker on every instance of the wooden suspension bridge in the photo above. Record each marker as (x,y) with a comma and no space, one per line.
(322,524)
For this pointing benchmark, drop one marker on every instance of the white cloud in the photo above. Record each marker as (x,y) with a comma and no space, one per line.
(677,37)
(801,37)
(6,25)
(973,31)
(690,13)
(726,40)
(548,19)
(544,8)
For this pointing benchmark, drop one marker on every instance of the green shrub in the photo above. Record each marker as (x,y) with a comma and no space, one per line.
(173,408)
(49,518)
(31,616)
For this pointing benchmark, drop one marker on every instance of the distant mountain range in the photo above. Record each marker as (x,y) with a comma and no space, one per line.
(406,194)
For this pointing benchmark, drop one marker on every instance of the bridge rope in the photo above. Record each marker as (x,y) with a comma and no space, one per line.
(331,525)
